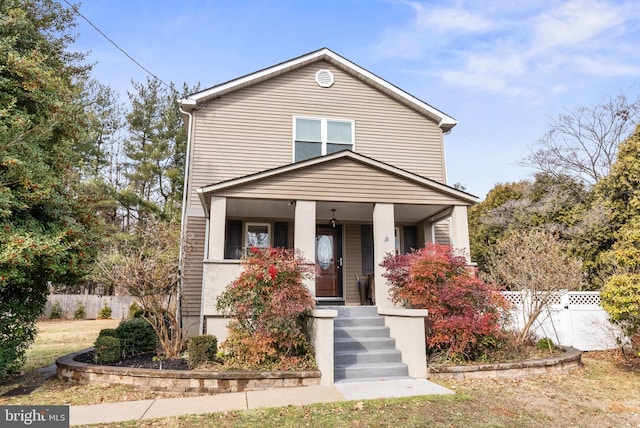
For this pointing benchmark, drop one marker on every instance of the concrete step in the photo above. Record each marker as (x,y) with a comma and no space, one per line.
(357,332)
(373,379)
(365,343)
(360,371)
(355,311)
(367,357)
(372,321)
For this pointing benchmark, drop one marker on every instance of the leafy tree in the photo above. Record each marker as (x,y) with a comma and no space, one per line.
(463,309)
(621,293)
(47,230)
(483,231)
(550,203)
(537,265)
(620,190)
(620,193)
(582,143)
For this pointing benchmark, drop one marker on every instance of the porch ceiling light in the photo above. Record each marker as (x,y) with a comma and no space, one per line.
(334,221)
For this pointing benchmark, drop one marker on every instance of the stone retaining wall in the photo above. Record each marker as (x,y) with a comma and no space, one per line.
(183,381)
(570,360)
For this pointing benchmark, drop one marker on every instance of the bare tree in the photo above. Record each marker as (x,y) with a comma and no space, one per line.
(537,266)
(146,267)
(583,143)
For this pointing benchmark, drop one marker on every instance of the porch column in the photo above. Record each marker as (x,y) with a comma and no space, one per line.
(305,235)
(217,220)
(460,231)
(383,243)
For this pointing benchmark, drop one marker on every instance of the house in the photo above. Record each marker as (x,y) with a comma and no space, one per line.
(319,154)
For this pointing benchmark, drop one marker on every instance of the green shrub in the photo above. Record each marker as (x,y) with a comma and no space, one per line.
(107,349)
(56,311)
(105,312)
(135,311)
(621,299)
(112,332)
(545,344)
(202,349)
(80,313)
(136,336)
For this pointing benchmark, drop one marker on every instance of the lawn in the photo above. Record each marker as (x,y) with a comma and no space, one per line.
(604,393)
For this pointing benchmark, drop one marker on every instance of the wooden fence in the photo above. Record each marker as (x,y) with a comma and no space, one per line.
(92,304)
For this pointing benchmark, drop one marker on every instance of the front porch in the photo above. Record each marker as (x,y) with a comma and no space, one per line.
(344,213)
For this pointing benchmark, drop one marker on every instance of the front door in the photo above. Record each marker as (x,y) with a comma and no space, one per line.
(329,262)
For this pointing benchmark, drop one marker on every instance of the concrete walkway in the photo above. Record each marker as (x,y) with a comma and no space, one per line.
(343,391)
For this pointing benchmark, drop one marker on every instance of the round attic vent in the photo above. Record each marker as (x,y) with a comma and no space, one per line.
(324,78)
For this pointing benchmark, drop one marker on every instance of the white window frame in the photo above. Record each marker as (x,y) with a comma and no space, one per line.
(246,234)
(323,133)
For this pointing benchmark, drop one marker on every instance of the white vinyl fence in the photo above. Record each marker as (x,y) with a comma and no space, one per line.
(574,318)
(92,304)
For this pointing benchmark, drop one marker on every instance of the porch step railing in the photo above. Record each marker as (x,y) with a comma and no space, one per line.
(363,348)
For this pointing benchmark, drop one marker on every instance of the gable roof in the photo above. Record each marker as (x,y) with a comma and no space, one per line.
(449,194)
(444,121)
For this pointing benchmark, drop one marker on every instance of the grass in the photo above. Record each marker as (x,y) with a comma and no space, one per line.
(602,394)
(61,337)
(55,339)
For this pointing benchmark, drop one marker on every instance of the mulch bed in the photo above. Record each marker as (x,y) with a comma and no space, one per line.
(143,361)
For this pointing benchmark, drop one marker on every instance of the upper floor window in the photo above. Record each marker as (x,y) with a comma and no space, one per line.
(317,137)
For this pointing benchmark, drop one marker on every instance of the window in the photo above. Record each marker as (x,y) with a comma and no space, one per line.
(258,235)
(317,137)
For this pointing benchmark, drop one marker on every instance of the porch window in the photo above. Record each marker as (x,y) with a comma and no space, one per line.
(316,137)
(255,235)
(258,235)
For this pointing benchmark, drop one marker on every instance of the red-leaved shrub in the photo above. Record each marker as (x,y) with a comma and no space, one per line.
(267,303)
(463,309)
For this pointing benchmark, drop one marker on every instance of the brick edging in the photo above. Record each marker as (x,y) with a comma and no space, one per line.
(184,381)
(570,360)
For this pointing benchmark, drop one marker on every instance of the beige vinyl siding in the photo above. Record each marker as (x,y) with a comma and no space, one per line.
(250,130)
(352,262)
(342,180)
(192,281)
(442,233)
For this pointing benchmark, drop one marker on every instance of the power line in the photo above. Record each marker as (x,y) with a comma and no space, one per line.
(75,9)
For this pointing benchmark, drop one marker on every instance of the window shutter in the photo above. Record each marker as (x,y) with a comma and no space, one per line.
(281,234)
(410,235)
(366,231)
(233,246)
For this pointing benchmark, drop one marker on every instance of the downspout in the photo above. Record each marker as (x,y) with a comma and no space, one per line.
(183,231)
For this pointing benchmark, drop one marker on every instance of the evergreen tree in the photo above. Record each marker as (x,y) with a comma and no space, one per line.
(47,230)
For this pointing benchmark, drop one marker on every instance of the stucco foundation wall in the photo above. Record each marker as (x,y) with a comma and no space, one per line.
(217,275)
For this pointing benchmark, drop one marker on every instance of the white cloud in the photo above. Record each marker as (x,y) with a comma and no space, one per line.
(523,52)
(575,23)
(445,20)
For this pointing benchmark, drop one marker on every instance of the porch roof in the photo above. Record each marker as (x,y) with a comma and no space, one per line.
(345,177)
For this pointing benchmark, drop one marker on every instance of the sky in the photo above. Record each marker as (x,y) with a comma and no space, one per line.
(502,68)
